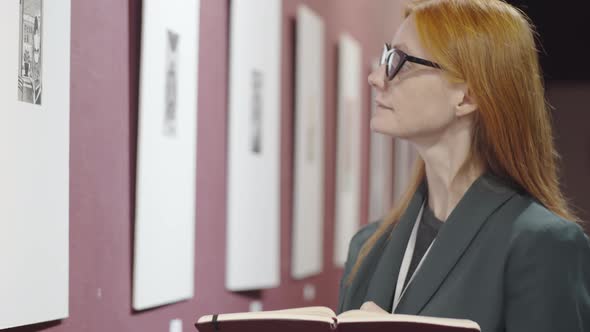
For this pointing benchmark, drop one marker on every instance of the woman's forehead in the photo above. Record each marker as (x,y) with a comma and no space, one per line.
(406,38)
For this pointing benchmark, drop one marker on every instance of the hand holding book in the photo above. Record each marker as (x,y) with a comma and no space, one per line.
(370,318)
(372,307)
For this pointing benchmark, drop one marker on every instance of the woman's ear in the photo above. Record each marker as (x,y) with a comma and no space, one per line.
(465,102)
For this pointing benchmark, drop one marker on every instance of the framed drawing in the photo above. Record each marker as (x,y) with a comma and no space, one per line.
(34,140)
(404,159)
(163,265)
(348,154)
(308,198)
(381,171)
(253,219)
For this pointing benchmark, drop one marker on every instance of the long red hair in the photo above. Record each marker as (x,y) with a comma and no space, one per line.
(490,45)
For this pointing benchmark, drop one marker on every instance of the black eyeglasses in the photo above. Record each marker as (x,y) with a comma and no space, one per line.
(395,59)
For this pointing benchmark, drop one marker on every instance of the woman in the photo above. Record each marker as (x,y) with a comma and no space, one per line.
(483,231)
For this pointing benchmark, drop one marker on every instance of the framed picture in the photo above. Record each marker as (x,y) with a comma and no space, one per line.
(404,159)
(163,265)
(381,171)
(308,198)
(34,140)
(348,154)
(253,220)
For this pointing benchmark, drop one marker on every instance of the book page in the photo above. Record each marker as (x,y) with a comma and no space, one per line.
(318,310)
(323,314)
(367,316)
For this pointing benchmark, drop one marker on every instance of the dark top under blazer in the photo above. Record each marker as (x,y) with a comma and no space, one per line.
(501,259)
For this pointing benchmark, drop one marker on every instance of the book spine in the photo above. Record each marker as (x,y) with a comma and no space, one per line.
(215,322)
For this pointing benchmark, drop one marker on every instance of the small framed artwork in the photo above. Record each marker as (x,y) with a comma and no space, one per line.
(35,145)
(253,184)
(348,154)
(308,197)
(164,239)
(381,170)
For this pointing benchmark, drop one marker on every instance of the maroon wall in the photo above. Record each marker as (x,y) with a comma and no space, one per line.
(104,83)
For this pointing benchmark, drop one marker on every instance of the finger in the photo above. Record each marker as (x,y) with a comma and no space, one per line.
(371,306)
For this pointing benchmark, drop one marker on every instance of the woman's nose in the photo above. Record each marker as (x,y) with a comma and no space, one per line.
(376,78)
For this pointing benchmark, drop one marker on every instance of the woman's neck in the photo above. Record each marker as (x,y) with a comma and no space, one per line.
(444,193)
(443,161)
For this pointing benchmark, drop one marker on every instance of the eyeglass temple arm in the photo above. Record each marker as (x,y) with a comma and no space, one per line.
(422,61)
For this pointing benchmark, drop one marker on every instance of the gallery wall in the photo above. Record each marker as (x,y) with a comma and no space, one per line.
(105,44)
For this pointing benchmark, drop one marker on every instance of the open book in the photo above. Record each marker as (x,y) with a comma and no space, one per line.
(312,319)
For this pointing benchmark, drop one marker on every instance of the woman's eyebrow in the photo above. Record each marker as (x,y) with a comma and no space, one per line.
(401,46)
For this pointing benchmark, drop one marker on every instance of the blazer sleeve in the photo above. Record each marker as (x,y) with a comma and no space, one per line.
(548,280)
(354,247)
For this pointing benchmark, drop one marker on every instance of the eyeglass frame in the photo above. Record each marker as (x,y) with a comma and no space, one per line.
(387,57)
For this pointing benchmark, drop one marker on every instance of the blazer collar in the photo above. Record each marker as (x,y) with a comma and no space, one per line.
(485,195)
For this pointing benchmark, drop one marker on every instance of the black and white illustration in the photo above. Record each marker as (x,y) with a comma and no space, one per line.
(254,160)
(165,193)
(35,141)
(381,166)
(30,73)
(307,251)
(348,149)
(171,83)
(256,134)
(311,130)
(346,158)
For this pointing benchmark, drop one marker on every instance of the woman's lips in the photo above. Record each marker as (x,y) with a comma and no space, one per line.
(383,106)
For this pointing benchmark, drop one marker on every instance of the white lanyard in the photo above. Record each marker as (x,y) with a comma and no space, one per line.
(403,271)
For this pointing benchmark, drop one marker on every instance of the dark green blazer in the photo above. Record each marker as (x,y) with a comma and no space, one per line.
(500,259)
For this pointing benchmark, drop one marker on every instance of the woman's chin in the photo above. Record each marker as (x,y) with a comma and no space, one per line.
(378,126)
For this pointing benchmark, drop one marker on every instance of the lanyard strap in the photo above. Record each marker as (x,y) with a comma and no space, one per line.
(403,272)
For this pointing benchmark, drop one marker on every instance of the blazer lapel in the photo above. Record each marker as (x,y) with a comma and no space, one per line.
(392,245)
(482,198)
(383,281)
(354,294)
